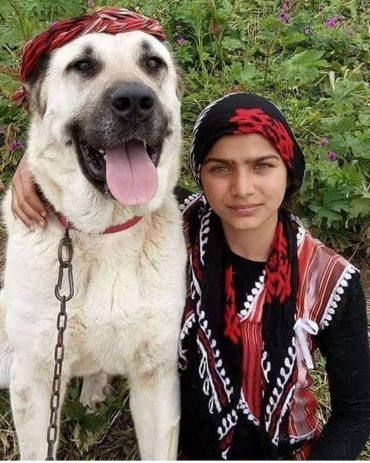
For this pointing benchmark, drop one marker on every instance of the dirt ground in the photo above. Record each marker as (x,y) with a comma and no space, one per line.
(362,263)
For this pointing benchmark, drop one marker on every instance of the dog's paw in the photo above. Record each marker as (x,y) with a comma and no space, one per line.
(95,389)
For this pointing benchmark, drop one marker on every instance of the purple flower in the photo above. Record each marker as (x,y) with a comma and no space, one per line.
(307,31)
(181,41)
(285,6)
(284,18)
(332,156)
(324,141)
(331,23)
(90,3)
(350,32)
(14,146)
(321,8)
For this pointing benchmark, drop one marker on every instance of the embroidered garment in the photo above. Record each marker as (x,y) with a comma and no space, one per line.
(226,341)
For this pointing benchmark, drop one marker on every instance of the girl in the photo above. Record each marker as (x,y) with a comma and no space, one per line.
(263,296)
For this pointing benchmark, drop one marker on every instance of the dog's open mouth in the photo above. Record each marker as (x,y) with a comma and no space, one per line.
(128,170)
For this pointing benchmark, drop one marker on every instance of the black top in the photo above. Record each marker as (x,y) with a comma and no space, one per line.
(344,344)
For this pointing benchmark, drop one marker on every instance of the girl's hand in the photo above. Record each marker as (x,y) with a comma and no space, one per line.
(26,203)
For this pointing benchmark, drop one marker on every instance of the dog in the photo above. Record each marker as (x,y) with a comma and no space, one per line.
(104,150)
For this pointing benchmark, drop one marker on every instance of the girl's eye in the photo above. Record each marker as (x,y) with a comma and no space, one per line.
(263,166)
(220,169)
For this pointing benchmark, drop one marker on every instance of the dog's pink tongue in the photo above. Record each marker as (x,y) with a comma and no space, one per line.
(131,176)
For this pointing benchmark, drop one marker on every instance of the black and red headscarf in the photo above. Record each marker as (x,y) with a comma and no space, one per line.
(243,113)
(210,270)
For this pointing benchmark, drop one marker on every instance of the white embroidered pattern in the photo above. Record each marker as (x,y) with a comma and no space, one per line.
(310,435)
(250,299)
(244,407)
(287,401)
(189,323)
(188,201)
(336,295)
(285,373)
(203,234)
(208,386)
(227,423)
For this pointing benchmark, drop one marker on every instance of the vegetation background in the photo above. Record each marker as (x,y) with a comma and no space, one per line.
(310,57)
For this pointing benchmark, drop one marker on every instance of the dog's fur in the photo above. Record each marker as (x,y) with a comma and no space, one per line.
(125,315)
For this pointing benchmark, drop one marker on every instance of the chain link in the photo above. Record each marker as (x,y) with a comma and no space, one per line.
(65,254)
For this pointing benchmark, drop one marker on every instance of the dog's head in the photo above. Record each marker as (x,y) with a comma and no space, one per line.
(106,118)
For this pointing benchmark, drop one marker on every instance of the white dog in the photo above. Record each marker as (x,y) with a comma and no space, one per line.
(103,147)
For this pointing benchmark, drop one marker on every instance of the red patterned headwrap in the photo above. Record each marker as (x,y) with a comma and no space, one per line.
(108,20)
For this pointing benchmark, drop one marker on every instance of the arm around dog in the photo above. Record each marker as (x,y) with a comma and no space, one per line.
(26,202)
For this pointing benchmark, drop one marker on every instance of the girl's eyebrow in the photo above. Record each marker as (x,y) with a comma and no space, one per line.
(249,161)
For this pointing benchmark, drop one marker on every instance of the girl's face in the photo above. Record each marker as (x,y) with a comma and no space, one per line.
(244,180)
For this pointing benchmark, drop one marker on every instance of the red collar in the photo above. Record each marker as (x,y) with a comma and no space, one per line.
(113,229)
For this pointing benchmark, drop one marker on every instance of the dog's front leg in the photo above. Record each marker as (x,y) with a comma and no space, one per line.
(155,406)
(30,390)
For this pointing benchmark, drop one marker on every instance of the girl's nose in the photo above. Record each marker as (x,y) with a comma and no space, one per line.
(243,184)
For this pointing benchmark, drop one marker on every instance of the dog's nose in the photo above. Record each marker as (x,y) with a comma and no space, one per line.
(133,102)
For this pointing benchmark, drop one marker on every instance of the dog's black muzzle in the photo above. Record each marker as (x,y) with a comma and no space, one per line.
(125,112)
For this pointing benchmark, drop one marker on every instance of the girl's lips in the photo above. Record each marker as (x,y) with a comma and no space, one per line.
(244,210)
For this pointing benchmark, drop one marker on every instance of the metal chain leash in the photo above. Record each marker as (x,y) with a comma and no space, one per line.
(65,254)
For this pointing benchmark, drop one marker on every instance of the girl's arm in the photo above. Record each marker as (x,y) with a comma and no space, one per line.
(345,346)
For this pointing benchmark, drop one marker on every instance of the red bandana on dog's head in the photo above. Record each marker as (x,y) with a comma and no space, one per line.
(107,20)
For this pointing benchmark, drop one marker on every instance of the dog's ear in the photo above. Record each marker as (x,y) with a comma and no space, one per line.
(33,85)
(180,84)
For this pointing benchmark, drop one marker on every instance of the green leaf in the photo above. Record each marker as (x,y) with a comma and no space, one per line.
(292,38)
(360,207)
(308,58)
(346,88)
(231,44)
(93,422)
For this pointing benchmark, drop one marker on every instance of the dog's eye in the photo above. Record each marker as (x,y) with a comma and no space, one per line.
(154,63)
(82,65)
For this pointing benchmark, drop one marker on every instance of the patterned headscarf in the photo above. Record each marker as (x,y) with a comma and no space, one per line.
(243,113)
(210,266)
(108,20)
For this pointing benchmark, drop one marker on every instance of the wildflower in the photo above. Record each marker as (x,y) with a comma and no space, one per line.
(307,30)
(350,32)
(285,6)
(181,41)
(331,23)
(321,8)
(90,3)
(332,156)
(324,141)
(14,146)
(284,18)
